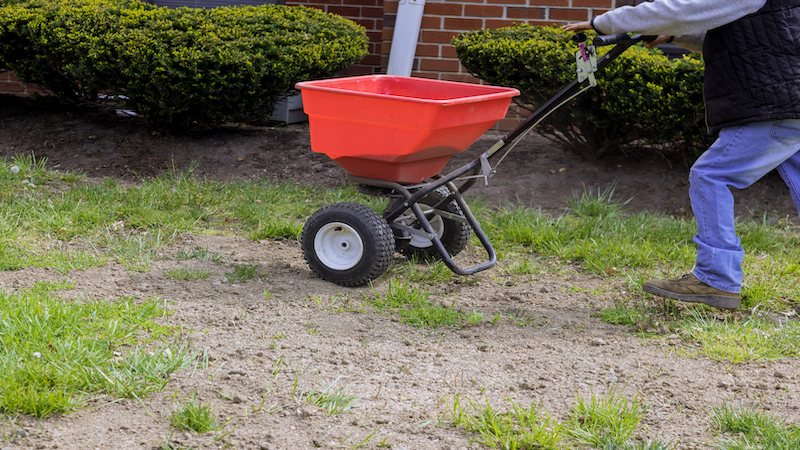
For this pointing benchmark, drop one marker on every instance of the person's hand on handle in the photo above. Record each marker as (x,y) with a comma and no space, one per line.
(578,26)
(659,40)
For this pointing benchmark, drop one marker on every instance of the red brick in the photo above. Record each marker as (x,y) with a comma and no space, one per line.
(12,87)
(448,51)
(438,37)
(492,24)
(429,22)
(359,70)
(366,23)
(569,14)
(552,2)
(363,3)
(428,50)
(439,65)
(455,23)
(371,11)
(390,6)
(592,3)
(344,11)
(371,60)
(387,34)
(461,77)
(432,76)
(515,12)
(375,36)
(483,11)
(545,23)
(324,2)
(443,9)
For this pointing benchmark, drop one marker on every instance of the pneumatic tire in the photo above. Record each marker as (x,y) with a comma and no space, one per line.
(348,244)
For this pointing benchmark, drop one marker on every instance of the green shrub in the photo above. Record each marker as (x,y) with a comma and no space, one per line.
(179,68)
(642,100)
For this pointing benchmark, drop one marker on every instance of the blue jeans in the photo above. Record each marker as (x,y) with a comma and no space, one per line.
(739,157)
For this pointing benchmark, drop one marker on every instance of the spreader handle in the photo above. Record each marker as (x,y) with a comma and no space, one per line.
(611,39)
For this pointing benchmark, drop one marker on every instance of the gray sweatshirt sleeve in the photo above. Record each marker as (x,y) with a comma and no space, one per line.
(688,20)
(691,42)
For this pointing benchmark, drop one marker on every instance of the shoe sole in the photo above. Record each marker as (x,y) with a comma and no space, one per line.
(715,301)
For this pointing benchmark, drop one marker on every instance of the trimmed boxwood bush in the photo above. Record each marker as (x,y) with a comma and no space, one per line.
(643,100)
(179,68)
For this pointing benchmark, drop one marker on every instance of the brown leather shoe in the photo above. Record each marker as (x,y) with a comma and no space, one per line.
(689,289)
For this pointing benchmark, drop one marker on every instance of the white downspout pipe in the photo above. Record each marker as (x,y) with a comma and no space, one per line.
(404,40)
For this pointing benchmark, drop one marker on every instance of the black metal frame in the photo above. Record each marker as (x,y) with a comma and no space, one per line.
(412,194)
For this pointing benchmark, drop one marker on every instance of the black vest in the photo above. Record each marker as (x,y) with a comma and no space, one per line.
(753,67)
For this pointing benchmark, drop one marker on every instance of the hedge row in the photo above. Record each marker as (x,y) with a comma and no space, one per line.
(643,100)
(179,68)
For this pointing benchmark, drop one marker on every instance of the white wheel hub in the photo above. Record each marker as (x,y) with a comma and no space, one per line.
(338,246)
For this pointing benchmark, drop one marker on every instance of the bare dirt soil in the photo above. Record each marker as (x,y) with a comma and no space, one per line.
(405,376)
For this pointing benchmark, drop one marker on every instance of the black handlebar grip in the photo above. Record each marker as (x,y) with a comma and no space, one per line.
(610,39)
(578,38)
(622,38)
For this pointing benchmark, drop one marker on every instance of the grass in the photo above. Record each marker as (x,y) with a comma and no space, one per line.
(732,338)
(55,355)
(184,274)
(194,416)
(412,305)
(746,427)
(242,273)
(58,354)
(129,224)
(597,235)
(200,253)
(427,272)
(332,401)
(607,422)
(517,428)
(337,303)
(753,338)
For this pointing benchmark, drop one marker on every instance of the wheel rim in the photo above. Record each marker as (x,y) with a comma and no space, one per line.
(436,223)
(338,246)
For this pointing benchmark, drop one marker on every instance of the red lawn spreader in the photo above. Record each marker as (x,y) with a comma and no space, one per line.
(394,136)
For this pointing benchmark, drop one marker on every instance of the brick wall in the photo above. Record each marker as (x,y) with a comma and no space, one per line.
(10,85)
(369,14)
(435,57)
